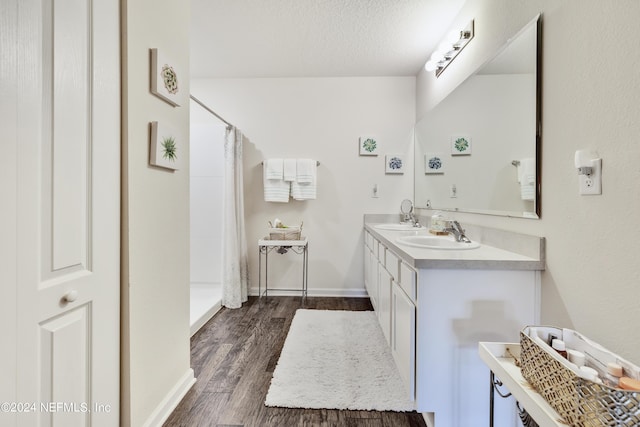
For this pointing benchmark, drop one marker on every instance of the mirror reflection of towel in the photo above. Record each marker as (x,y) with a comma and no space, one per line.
(527,178)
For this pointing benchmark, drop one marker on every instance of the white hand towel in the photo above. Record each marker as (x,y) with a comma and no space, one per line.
(527,178)
(274,168)
(305,186)
(305,171)
(275,190)
(290,169)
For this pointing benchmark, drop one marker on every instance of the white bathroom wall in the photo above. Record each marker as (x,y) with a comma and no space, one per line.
(156,368)
(589,100)
(319,118)
(207,171)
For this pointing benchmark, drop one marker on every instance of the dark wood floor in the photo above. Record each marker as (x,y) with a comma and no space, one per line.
(234,356)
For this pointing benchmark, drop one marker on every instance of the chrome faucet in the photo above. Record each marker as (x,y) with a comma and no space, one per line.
(406,208)
(410,218)
(457,231)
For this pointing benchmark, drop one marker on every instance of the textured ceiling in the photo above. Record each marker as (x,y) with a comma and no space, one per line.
(315,38)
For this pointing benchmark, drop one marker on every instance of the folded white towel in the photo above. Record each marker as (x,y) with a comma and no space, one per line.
(275,190)
(305,186)
(305,171)
(274,168)
(290,169)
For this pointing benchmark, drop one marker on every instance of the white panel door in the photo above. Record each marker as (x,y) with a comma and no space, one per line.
(64,71)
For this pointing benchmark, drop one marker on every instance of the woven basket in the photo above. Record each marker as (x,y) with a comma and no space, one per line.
(582,403)
(288,233)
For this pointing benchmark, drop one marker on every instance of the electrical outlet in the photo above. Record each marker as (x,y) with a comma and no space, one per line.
(591,184)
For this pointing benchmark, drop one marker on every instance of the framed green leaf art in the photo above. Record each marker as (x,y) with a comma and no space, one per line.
(165,147)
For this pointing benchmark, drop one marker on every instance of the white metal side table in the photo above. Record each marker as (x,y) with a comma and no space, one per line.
(266,245)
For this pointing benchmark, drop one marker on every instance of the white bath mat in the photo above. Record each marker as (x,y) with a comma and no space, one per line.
(337,360)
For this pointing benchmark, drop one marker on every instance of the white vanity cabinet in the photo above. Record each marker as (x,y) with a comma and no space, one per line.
(386,278)
(434,307)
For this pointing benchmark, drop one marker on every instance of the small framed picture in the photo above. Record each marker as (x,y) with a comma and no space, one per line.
(434,163)
(164,78)
(368,146)
(394,163)
(164,149)
(460,145)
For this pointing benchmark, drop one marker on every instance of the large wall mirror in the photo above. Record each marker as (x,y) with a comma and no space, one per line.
(478,150)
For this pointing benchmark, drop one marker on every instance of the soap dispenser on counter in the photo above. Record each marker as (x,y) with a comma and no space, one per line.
(438,224)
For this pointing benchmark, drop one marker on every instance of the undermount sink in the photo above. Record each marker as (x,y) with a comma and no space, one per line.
(432,242)
(397,227)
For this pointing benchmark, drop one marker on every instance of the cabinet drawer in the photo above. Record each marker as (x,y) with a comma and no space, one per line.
(391,264)
(408,281)
(368,240)
(379,251)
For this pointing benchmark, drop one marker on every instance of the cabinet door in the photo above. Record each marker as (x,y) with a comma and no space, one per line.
(373,280)
(404,337)
(384,302)
(367,268)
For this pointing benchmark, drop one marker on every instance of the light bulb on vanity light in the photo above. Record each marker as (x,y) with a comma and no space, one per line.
(453,37)
(431,65)
(449,48)
(437,56)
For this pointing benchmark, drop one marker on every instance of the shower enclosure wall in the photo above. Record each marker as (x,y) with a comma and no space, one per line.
(207,171)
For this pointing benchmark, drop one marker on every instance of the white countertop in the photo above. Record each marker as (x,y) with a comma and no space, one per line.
(484,257)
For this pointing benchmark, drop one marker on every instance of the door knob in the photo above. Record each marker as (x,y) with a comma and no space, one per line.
(70,296)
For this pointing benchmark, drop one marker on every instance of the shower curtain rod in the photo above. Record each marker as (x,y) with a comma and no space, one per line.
(209,110)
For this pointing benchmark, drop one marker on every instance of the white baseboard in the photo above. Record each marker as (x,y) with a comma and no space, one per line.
(171,401)
(428,418)
(204,318)
(316,292)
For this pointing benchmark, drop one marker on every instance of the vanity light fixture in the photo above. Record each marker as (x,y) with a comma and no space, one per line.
(449,48)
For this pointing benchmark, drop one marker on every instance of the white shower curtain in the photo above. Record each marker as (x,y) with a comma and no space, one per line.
(235,276)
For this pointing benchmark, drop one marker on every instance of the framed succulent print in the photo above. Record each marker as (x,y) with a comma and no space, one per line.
(394,163)
(165,146)
(434,163)
(368,146)
(164,78)
(460,145)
